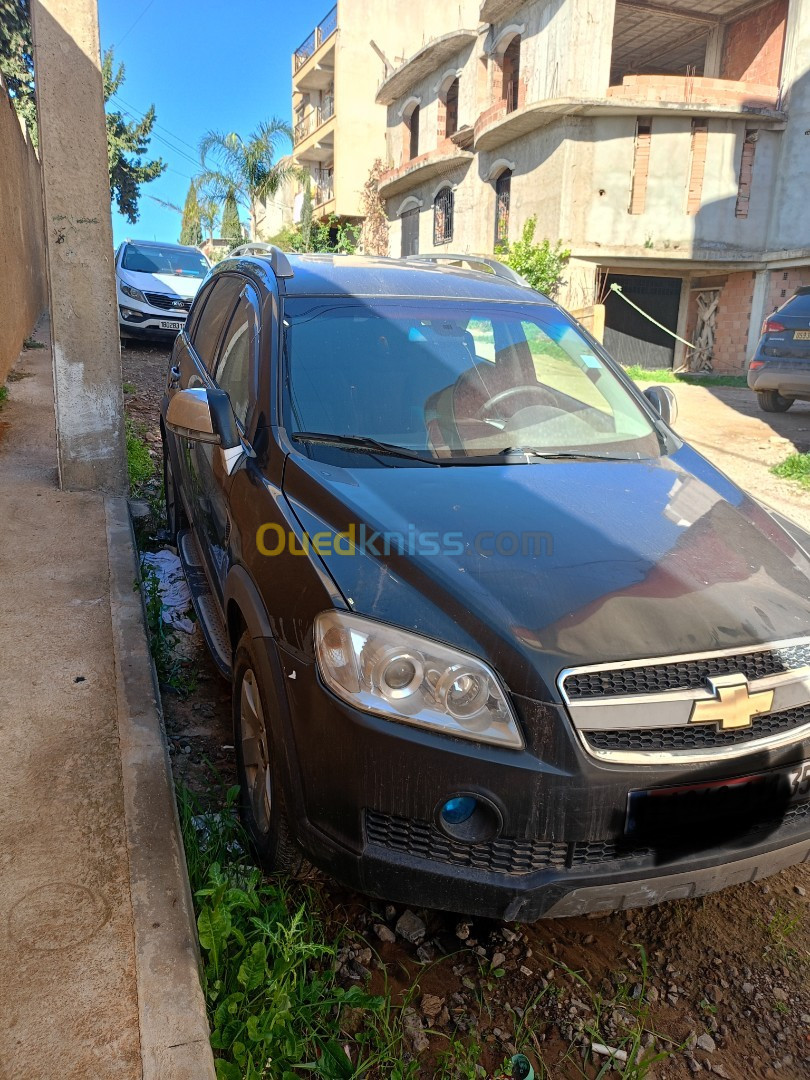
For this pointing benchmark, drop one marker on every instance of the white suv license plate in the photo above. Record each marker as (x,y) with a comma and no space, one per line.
(170,324)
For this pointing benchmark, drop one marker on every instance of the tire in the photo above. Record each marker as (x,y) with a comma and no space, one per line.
(772,401)
(176,519)
(261,800)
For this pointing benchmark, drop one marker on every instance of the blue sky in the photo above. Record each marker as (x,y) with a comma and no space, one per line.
(205,65)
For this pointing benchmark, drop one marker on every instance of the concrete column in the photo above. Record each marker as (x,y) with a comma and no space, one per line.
(78,232)
(680,360)
(713,63)
(762,283)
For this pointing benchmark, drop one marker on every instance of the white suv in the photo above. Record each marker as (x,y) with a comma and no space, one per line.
(156,284)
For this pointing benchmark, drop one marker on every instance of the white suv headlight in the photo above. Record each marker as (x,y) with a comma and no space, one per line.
(136,294)
(397,674)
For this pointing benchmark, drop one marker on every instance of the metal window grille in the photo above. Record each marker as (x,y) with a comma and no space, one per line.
(443,217)
(503,190)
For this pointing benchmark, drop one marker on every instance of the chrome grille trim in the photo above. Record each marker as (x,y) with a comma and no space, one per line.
(613,719)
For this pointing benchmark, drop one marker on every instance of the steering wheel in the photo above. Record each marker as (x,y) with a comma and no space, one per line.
(512,391)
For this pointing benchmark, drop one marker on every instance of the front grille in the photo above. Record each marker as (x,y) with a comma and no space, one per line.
(168,303)
(697,736)
(501,856)
(684,674)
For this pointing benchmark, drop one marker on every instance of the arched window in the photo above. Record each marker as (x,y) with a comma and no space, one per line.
(451,123)
(443,217)
(413,131)
(503,191)
(511,73)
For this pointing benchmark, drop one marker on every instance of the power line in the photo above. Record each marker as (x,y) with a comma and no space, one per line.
(157,125)
(132,27)
(136,117)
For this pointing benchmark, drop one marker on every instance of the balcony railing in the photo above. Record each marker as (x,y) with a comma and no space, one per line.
(325,28)
(312,120)
(324,187)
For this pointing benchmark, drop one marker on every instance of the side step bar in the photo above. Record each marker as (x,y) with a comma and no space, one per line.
(205,605)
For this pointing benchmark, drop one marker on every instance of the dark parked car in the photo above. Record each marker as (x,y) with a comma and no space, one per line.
(500,642)
(780,370)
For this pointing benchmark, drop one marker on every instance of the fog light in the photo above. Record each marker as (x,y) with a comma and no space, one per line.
(457,811)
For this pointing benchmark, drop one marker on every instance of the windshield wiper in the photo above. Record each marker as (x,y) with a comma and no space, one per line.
(361,443)
(558,455)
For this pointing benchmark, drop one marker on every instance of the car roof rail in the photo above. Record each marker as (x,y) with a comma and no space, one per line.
(493,266)
(278,260)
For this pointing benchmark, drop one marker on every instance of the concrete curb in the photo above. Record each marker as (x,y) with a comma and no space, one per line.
(173,1025)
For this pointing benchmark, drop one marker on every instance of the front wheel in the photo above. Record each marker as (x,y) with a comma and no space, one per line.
(772,401)
(260,796)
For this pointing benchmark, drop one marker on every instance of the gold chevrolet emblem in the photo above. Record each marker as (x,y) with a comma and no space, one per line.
(733,706)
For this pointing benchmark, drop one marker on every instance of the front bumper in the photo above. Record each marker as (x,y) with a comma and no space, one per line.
(365,794)
(138,323)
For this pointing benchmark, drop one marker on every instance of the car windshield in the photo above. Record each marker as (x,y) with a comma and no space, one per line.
(456,379)
(164,260)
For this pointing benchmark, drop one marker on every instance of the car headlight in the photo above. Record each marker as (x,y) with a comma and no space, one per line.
(136,294)
(397,674)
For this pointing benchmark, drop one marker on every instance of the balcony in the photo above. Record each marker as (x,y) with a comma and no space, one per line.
(313,60)
(311,121)
(323,190)
(422,168)
(667,91)
(430,57)
(493,11)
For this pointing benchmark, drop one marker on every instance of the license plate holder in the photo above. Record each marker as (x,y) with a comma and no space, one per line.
(707,811)
(801,335)
(170,324)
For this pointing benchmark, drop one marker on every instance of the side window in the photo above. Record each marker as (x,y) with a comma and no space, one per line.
(233,373)
(206,333)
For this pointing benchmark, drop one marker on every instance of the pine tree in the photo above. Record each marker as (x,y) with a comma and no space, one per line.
(17,59)
(306,216)
(191,229)
(231,226)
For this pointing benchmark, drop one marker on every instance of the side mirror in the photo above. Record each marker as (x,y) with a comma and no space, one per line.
(664,402)
(203,416)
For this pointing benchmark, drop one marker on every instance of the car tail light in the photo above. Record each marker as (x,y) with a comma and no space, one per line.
(756,364)
(771,326)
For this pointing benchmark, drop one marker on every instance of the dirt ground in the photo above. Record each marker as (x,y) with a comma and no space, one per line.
(726,989)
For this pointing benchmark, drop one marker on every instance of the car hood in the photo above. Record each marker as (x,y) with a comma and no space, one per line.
(555,564)
(161,283)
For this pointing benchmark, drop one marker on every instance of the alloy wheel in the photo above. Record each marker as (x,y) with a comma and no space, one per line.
(255,755)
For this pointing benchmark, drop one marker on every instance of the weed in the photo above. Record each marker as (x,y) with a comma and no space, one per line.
(781,1007)
(665,375)
(3,395)
(796,467)
(129,388)
(32,343)
(459,1062)
(176,672)
(140,466)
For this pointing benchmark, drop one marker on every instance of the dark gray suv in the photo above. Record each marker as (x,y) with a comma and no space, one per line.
(780,371)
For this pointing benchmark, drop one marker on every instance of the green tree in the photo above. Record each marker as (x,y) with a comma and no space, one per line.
(306,216)
(209,213)
(17,59)
(540,264)
(231,226)
(191,227)
(247,168)
(127,142)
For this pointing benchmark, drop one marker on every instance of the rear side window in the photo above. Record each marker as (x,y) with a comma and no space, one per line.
(236,361)
(797,305)
(206,333)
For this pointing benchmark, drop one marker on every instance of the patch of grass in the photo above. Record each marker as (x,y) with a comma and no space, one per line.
(129,388)
(796,467)
(178,673)
(140,467)
(3,395)
(665,375)
(32,343)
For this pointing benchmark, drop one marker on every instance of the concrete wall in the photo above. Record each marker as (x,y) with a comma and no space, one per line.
(23,275)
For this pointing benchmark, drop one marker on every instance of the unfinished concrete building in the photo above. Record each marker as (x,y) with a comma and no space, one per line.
(667,145)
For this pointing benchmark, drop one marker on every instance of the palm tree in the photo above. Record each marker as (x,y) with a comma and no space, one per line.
(247,167)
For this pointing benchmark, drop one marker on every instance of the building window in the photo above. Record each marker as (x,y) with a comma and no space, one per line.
(641,165)
(413,131)
(746,173)
(451,122)
(503,191)
(443,217)
(410,232)
(511,74)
